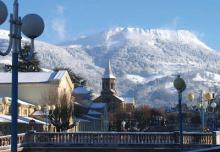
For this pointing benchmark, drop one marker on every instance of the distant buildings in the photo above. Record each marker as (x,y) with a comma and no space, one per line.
(47,88)
(90,116)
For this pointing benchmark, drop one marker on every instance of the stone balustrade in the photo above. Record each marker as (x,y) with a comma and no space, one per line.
(123,138)
(5,141)
(111,138)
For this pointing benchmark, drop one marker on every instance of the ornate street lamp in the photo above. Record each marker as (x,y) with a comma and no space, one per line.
(38,108)
(123,123)
(213,105)
(191,97)
(31,26)
(48,110)
(77,123)
(204,105)
(208,96)
(180,86)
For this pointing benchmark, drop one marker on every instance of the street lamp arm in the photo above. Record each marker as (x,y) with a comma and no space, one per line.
(10,40)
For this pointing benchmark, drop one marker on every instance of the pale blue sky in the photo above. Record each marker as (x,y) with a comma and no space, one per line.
(66,19)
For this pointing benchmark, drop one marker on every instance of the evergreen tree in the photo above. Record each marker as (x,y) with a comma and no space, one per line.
(31,65)
(77,80)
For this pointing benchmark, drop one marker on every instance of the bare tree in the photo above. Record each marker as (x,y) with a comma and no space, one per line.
(62,116)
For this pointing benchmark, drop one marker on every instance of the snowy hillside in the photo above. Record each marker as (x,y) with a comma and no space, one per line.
(144,61)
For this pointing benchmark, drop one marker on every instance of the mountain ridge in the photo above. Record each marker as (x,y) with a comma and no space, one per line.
(144,61)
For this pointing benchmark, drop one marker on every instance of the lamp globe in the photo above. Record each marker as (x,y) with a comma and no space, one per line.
(191,96)
(208,96)
(48,108)
(32,26)
(38,107)
(179,84)
(3,12)
(53,107)
(213,105)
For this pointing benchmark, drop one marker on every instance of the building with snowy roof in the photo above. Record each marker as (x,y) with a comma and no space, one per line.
(109,93)
(93,118)
(83,95)
(38,88)
(25,110)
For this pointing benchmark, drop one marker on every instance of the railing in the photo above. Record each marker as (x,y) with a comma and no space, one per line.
(111,138)
(197,138)
(122,138)
(5,141)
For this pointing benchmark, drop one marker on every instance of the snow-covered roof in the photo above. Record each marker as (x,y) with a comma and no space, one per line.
(81,120)
(27,119)
(21,119)
(129,100)
(3,120)
(82,90)
(82,104)
(89,117)
(32,77)
(108,72)
(7,119)
(97,105)
(39,113)
(19,101)
(93,112)
(120,98)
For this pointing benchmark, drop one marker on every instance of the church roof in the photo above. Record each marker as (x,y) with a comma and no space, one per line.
(93,112)
(96,105)
(108,72)
(129,100)
(82,90)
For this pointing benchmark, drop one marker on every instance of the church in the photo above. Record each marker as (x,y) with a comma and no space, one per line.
(109,94)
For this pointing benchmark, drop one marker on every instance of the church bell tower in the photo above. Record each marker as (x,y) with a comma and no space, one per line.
(108,82)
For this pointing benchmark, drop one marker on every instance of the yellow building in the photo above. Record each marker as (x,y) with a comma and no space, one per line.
(25,109)
(38,88)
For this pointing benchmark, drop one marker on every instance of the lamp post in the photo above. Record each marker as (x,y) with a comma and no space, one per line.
(123,123)
(180,86)
(31,26)
(47,110)
(213,105)
(77,123)
(204,105)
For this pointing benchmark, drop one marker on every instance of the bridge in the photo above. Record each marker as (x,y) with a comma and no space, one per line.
(109,141)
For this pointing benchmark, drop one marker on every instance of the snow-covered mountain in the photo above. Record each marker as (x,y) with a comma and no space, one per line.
(144,61)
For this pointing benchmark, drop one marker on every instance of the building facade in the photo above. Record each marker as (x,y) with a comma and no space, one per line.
(25,110)
(38,88)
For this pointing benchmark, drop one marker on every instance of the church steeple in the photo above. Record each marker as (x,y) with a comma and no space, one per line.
(108,81)
(108,72)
